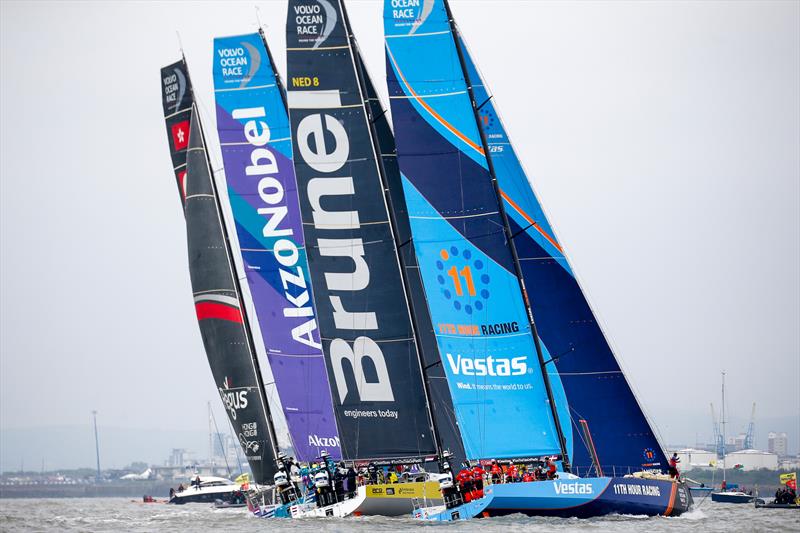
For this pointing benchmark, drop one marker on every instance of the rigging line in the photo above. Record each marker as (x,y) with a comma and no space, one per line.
(485,102)
(439,362)
(557,357)
(523,230)
(375,119)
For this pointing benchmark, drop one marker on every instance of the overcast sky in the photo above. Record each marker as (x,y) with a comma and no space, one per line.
(662,138)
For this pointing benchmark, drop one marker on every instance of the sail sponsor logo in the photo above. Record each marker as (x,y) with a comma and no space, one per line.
(232,60)
(315,21)
(405,9)
(174,89)
(233,401)
(323,145)
(573,488)
(487,366)
(630,489)
(263,165)
(323,442)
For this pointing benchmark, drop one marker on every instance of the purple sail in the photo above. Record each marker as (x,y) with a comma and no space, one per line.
(257,152)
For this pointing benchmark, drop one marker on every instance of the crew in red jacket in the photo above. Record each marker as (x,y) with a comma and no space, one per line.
(551,469)
(497,472)
(477,481)
(464,479)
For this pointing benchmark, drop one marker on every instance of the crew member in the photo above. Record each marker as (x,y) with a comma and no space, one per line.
(673,467)
(372,470)
(496,471)
(477,481)
(551,468)
(465,483)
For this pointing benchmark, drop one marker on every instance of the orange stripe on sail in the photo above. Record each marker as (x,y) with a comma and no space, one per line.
(531,221)
(431,111)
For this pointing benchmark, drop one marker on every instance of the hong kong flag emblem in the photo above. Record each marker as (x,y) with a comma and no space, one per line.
(180,135)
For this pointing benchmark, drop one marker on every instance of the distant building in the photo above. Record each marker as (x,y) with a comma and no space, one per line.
(694,458)
(176,457)
(778,443)
(752,460)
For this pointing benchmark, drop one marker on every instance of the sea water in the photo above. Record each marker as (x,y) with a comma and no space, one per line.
(120,514)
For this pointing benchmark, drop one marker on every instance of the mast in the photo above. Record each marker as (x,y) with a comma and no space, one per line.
(273,438)
(361,77)
(506,228)
(724,451)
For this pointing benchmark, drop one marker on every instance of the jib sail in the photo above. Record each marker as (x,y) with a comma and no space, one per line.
(467,265)
(217,300)
(362,306)
(570,333)
(253,127)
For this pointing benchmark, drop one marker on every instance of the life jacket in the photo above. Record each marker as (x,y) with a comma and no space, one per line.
(527,477)
(496,470)
(477,473)
(464,477)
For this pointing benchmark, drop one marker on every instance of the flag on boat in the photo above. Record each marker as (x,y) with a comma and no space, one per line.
(785,478)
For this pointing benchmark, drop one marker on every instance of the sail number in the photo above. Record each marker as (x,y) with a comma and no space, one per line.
(305,81)
(456,275)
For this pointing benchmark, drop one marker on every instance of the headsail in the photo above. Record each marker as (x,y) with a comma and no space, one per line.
(363,311)
(218,304)
(570,333)
(467,265)
(253,127)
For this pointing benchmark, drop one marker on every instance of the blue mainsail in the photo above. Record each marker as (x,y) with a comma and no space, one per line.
(466,263)
(592,379)
(253,127)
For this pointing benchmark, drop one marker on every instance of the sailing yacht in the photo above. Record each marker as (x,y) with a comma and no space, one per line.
(530,372)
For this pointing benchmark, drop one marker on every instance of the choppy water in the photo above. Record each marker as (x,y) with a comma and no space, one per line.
(118,514)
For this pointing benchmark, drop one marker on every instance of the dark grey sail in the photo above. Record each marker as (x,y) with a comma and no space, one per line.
(362,304)
(217,298)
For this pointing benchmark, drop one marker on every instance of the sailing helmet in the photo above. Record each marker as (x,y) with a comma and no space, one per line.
(323,453)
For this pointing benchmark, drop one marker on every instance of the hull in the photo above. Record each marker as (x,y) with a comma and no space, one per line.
(205,496)
(395,499)
(585,498)
(731,497)
(776,505)
(465,511)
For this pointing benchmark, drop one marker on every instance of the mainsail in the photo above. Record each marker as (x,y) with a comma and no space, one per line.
(362,306)
(253,127)
(603,412)
(483,330)
(217,300)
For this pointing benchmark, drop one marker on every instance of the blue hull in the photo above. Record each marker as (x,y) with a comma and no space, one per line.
(462,512)
(722,497)
(586,498)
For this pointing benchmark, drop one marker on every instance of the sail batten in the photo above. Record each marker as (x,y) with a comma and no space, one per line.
(252,123)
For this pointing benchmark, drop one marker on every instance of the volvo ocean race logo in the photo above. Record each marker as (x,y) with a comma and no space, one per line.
(487,366)
(409,10)
(174,89)
(315,21)
(239,64)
